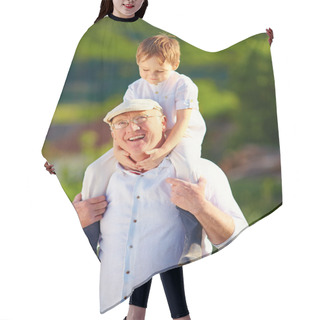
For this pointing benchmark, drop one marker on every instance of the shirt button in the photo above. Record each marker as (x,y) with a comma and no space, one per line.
(156,92)
(134,220)
(127,272)
(125,297)
(138,197)
(130,247)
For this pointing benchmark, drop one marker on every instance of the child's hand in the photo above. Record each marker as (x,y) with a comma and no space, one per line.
(156,157)
(123,157)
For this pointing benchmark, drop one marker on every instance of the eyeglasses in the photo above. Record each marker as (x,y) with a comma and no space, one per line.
(138,120)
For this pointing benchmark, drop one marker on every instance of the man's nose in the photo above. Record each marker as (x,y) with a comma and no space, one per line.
(132,126)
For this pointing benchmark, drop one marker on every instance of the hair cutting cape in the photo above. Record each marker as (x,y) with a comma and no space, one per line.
(236,99)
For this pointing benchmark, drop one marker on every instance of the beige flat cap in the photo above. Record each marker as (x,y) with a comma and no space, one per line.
(132,105)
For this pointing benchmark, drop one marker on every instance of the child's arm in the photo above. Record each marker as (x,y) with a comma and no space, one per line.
(175,136)
(123,157)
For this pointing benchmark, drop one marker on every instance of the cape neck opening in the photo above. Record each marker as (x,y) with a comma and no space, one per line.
(111,16)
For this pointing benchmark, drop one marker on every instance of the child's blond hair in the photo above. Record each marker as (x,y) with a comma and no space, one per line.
(164,47)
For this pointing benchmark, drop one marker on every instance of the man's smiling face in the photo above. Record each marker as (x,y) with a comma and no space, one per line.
(139,138)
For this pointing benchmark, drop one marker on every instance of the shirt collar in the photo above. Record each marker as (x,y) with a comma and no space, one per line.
(111,16)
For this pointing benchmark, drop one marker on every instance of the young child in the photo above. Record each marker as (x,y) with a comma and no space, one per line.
(158,57)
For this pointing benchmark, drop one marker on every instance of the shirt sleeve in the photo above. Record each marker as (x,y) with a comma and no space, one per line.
(186,96)
(129,95)
(219,193)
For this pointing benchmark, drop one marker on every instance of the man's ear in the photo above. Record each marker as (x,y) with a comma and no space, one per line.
(164,123)
(112,135)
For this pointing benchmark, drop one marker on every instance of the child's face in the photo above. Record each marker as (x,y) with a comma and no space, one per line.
(126,8)
(153,71)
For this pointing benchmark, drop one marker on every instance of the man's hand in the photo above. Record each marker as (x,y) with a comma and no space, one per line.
(188,196)
(218,225)
(90,210)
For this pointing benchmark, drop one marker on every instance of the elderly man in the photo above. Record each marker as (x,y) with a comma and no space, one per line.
(141,231)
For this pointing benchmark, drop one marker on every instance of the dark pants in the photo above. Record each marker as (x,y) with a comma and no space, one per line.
(172,281)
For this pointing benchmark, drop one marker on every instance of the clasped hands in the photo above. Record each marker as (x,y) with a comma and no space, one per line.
(155,158)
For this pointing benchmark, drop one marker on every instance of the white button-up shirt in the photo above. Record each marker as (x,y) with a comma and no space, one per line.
(141,231)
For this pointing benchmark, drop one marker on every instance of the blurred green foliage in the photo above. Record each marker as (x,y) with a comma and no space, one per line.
(262,192)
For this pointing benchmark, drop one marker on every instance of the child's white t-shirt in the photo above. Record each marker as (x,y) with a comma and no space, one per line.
(176,93)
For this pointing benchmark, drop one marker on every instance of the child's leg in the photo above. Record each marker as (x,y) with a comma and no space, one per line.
(193,237)
(97,175)
(185,158)
(173,285)
(95,184)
